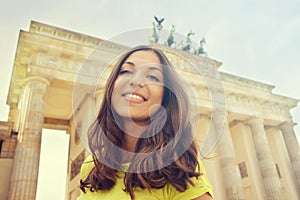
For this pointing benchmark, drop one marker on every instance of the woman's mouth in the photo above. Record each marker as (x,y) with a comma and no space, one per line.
(134,98)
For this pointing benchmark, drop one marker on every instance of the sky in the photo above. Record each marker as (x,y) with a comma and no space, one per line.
(53,186)
(255,39)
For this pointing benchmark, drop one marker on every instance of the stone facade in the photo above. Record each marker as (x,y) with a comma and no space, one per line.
(256,155)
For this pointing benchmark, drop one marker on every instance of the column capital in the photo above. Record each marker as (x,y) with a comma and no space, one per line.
(254,120)
(287,124)
(36,79)
(219,113)
(205,116)
(220,118)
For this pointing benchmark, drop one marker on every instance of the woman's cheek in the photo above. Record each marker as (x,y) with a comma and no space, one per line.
(116,82)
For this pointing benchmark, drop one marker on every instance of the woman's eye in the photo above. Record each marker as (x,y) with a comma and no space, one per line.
(126,71)
(152,77)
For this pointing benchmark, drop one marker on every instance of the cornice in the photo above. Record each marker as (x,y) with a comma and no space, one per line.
(57,33)
(246,82)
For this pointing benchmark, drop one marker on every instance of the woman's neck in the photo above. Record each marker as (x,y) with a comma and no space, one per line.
(133,130)
(129,143)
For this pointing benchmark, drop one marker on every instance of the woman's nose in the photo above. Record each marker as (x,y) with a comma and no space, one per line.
(137,80)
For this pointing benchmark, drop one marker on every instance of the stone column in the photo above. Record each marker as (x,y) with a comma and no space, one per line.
(292,146)
(23,182)
(267,167)
(231,176)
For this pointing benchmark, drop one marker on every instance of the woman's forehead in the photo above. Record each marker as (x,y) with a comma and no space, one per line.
(143,57)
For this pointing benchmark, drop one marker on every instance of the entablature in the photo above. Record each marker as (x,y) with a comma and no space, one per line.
(54,56)
(240,99)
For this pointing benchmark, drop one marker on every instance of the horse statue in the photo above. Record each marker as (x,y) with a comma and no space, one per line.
(200,50)
(170,39)
(154,37)
(188,42)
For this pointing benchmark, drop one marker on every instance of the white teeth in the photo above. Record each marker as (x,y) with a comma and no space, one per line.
(134,96)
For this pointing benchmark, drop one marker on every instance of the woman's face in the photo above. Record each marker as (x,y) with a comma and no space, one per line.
(138,89)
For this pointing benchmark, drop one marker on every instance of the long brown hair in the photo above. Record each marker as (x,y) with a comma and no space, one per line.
(175,153)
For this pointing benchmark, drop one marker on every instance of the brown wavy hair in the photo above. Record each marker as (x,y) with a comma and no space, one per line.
(168,139)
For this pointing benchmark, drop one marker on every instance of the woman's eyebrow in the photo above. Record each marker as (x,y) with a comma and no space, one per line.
(155,68)
(130,63)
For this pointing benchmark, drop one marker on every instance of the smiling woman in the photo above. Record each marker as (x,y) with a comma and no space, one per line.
(142,143)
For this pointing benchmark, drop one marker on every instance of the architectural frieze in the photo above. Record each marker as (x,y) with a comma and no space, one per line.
(266,105)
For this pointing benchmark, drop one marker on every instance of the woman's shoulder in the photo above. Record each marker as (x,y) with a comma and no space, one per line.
(200,186)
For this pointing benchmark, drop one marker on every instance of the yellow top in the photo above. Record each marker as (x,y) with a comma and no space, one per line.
(201,187)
